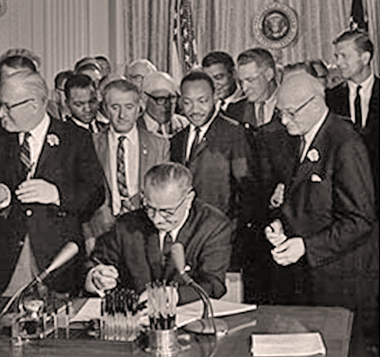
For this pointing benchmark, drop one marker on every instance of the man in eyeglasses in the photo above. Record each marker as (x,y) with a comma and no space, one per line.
(160,99)
(326,231)
(55,182)
(137,70)
(137,250)
(125,152)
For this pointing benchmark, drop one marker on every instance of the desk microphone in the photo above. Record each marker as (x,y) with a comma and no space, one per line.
(65,254)
(207,324)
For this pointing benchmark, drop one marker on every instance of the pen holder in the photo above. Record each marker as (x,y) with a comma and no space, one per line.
(163,343)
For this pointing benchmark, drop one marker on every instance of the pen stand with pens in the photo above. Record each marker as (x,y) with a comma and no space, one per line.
(120,315)
(162,303)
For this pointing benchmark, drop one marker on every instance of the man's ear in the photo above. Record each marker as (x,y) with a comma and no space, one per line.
(366,57)
(142,105)
(269,74)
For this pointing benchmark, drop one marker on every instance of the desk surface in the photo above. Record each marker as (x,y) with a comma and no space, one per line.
(333,323)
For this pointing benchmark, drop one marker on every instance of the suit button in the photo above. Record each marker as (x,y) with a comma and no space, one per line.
(29,212)
(20,243)
(61,214)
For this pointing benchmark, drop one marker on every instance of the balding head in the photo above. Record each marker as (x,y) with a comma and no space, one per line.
(158,81)
(137,70)
(301,102)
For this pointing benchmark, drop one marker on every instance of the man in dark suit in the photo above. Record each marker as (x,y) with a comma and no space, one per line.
(54,178)
(137,250)
(126,152)
(358,96)
(216,150)
(327,224)
(83,103)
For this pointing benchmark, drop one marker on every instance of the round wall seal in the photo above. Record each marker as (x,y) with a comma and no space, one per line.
(276,26)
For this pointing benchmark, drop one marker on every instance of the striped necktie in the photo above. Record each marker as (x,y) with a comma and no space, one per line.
(25,155)
(121,177)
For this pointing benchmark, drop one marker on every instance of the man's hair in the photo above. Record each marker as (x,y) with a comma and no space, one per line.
(360,39)
(217,57)
(18,62)
(86,61)
(260,56)
(170,172)
(197,75)
(148,64)
(122,85)
(78,81)
(32,81)
(61,77)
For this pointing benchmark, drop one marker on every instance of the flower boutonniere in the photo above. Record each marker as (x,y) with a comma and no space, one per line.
(52,140)
(313,155)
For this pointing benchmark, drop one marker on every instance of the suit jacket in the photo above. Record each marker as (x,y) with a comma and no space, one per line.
(153,151)
(222,166)
(330,204)
(133,247)
(70,163)
(337,99)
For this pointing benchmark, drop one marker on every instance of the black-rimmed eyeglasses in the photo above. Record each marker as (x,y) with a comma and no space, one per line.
(163,100)
(8,107)
(292,113)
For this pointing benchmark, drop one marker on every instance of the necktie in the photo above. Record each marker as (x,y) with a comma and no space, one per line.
(25,155)
(302,147)
(358,109)
(168,241)
(260,114)
(195,144)
(121,176)
(250,114)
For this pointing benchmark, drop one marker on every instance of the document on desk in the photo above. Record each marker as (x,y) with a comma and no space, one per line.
(290,344)
(193,311)
(185,313)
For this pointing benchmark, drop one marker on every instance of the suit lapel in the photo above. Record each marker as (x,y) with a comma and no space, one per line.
(102,150)
(145,147)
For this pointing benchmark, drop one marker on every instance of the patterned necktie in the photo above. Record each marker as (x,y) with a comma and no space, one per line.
(25,155)
(168,241)
(195,144)
(121,177)
(358,109)
(302,147)
(260,114)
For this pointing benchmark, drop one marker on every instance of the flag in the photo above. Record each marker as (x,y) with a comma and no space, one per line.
(358,18)
(183,49)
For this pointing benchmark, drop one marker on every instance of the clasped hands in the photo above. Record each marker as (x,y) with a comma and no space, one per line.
(37,191)
(286,251)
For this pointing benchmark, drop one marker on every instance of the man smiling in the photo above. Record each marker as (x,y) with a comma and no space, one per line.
(137,249)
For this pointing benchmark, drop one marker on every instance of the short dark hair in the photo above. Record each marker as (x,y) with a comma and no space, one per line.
(169,172)
(360,39)
(78,81)
(61,76)
(197,76)
(121,85)
(18,62)
(217,57)
(260,56)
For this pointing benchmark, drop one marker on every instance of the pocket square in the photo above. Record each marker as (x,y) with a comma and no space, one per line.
(315,178)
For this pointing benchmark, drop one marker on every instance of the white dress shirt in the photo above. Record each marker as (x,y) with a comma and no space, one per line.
(91,126)
(309,136)
(269,106)
(36,141)
(131,164)
(202,132)
(365,97)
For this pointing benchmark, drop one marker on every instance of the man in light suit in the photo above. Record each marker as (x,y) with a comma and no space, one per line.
(358,97)
(126,153)
(54,178)
(137,250)
(326,224)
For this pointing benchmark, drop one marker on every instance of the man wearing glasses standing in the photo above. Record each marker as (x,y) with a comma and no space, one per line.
(160,99)
(137,250)
(54,178)
(326,226)
(126,153)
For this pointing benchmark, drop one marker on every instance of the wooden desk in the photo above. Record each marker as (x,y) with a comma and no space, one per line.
(334,323)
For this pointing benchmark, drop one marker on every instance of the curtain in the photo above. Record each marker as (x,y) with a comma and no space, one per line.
(228,25)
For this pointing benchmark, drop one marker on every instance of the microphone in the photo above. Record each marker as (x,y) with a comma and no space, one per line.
(65,255)
(208,324)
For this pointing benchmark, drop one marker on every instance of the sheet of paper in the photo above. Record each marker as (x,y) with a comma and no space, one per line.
(185,313)
(294,344)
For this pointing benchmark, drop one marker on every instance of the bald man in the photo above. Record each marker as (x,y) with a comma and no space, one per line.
(326,228)
(160,99)
(137,70)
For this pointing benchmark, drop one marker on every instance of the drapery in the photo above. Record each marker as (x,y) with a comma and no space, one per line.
(228,25)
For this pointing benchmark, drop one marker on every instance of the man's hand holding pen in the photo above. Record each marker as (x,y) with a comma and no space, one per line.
(286,251)
(102,277)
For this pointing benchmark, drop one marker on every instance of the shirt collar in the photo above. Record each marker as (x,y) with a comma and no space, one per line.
(38,133)
(80,123)
(203,128)
(366,84)
(151,124)
(310,135)
(132,135)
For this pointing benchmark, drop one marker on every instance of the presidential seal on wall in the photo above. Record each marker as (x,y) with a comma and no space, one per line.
(276,26)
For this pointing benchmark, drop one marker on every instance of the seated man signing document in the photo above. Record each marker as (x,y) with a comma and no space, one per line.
(137,250)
